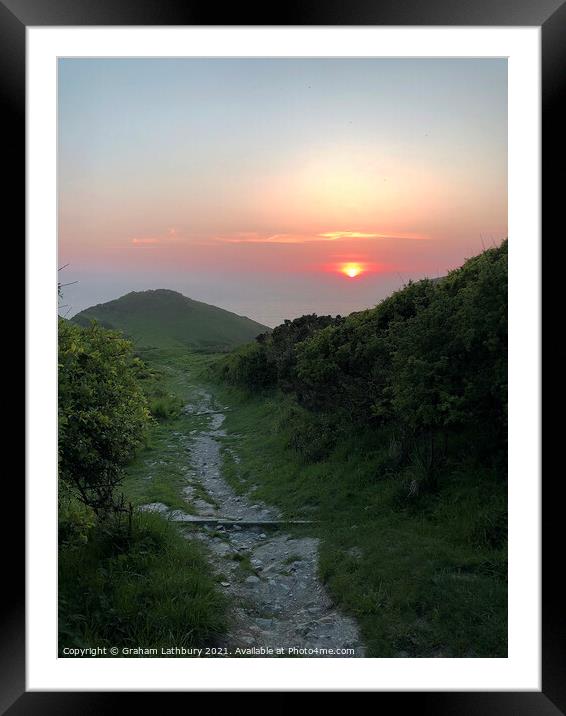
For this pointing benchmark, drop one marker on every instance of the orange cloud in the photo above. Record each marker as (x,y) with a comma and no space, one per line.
(336,235)
(168,236)
(255,238)
(144,242)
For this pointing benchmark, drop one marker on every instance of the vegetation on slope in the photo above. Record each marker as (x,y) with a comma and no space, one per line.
(389,426)
(429,364)
(125,578)
(167,319)
(147,587)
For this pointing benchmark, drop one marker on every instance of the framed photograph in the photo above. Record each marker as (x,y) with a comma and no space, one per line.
(283,283)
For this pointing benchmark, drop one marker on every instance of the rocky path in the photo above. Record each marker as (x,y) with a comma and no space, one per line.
(269,574)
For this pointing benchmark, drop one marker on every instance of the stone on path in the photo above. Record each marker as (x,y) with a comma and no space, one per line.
(289,609)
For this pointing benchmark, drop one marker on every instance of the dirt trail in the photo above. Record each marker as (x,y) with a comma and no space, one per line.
(269,575)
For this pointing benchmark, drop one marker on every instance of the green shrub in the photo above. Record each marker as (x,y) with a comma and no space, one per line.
(282,344)
(428,364)
(247,367)
(103,412)
(272,359)
(450,360)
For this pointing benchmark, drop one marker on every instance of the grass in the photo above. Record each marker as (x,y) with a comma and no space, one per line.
(151,589)
(158,474)
(424,577)
(162,471)
(245,567)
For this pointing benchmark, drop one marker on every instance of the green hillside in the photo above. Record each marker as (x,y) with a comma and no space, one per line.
(166,319)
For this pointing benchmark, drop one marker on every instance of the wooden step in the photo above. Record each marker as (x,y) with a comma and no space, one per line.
(231,522)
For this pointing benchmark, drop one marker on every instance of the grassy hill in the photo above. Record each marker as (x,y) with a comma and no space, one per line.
(166,319)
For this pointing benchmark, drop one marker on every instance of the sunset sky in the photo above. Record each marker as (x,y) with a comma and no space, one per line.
(276,187)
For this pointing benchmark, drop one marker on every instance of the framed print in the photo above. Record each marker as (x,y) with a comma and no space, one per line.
(284,401)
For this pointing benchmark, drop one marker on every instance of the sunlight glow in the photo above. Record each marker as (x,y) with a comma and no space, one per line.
(351,270)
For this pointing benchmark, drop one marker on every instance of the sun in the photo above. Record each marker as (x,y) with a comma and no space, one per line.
(351,270)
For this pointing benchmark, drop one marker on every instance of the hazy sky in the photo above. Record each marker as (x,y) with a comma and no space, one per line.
(251,183)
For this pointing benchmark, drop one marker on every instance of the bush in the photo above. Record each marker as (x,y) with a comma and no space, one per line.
(450,359)
(103,412)
(282,345)
(429,362)
(272,359)
(348,367)
(247,367)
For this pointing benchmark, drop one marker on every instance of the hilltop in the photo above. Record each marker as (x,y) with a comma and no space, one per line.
(163,318)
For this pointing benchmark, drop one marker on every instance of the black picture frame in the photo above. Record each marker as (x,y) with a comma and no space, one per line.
(550,15)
